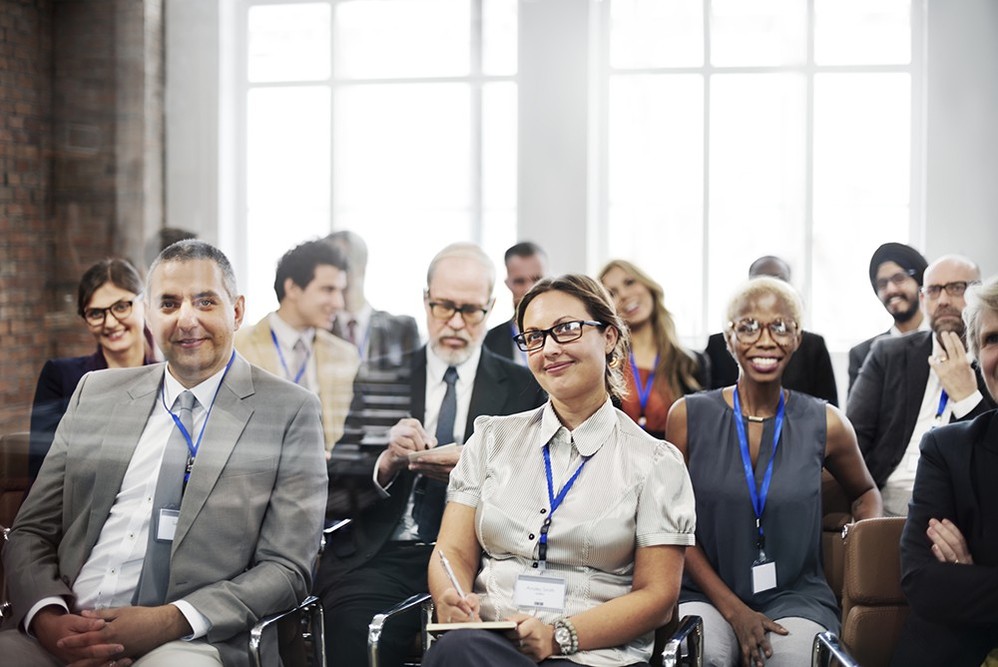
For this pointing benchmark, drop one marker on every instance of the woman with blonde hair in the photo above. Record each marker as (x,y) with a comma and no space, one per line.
(660,370)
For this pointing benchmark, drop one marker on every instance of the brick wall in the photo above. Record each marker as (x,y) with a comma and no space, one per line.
(80,162)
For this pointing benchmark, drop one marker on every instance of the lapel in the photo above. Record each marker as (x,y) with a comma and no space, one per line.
(418,385)
(265,351)
(225,426)
(126,420)
(916,376)
(488,396)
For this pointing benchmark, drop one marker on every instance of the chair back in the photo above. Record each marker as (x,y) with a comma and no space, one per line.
(836,512)
(14,482)
(874,607)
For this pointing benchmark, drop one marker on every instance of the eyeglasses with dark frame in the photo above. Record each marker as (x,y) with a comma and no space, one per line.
(563,332)
(749,330)
(470,313)
(897,279)
(955,288)
(119,310)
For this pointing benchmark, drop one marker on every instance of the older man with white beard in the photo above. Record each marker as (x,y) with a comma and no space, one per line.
(383,557)
(910,384)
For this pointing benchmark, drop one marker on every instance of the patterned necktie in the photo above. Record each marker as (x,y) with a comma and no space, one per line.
(155,576)
(431,495)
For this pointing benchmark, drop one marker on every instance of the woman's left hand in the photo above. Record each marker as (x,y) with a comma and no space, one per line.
(948,545)
(535,637)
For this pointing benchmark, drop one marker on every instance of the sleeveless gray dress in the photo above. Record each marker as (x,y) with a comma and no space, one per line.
(792,517)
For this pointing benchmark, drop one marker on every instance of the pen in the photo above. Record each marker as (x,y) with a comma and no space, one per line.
(450,574)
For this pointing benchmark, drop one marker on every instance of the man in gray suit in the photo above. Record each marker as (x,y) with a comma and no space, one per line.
(160,534)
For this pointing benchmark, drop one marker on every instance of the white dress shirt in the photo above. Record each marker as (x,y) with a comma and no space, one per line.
(287,337)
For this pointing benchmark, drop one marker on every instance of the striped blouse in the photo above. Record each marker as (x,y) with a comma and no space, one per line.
(633,492)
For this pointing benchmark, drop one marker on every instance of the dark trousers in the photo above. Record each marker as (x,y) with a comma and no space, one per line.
(460,648)
(351,601)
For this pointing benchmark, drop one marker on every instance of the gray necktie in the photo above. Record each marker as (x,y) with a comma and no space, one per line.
(155,575)
(431,495)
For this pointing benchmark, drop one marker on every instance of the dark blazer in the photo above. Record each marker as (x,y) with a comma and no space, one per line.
(954,608)
(884,403)
(499,339)
(389,339)
(501,388)
(809,371)
(857,355)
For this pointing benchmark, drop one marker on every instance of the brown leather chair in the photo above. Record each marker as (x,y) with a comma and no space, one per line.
(874,607)
(836,511)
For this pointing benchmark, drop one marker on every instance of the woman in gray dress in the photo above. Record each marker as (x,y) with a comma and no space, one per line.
(755,453)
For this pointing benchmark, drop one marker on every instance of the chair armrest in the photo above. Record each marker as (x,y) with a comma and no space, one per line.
(265,652)
(690,630)
(328,532)
(378,623)
(826,648)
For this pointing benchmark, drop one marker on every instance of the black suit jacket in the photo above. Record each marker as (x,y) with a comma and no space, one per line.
(499,339)
(954,608)
(884,403)
(389,339)
(857,355)
(808,371)
(501,388)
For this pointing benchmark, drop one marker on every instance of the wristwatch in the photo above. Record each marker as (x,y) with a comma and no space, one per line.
(566,637)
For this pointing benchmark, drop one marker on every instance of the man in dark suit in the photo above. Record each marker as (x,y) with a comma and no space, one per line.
(381,338)
(949,548)
(526,263)
(163,533)
(809,369)
(910,384)
(383,555)
(896,272)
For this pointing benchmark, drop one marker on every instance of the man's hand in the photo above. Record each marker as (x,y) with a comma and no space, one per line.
(53,626)
(138,629)
(948,544)
(953,368)
(437,465)
(406,436)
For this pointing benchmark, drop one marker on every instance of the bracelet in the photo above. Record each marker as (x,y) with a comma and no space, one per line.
(567,639)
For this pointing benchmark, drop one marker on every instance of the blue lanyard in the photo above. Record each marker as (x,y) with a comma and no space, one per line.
(554,500)
(643,391)
(758,495)
(284,364)
(192,447)
(942,406)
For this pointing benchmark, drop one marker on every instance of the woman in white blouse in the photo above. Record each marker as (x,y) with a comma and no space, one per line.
(568,520)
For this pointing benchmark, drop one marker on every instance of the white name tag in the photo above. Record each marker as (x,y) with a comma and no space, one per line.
(166,527)
(542,593)
(763,576)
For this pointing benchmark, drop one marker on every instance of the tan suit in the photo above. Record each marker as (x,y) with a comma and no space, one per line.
(336,362)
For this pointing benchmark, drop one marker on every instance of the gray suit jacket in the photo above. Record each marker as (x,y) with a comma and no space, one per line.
(250,520)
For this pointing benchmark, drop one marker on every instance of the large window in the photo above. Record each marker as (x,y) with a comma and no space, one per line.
(392,118)
(736,129)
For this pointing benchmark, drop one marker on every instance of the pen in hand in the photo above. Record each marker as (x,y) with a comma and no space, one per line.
(453,579)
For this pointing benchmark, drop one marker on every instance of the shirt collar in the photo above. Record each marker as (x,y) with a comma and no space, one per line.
(287,335)
(436,367)
(589,436)
(203,392)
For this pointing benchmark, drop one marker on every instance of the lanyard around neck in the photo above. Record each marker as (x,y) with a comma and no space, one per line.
(554,500)
(284,364)
(644,391)
(757,494)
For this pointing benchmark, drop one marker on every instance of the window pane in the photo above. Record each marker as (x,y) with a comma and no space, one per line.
(402,38)
(757,177)
(499,144)
(499,37)
(762,32)
(288,42)
(656,33)
(655,169)
(862,32)
(862,172)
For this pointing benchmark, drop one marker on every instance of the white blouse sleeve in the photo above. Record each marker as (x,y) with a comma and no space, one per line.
(666,508)
(468,476)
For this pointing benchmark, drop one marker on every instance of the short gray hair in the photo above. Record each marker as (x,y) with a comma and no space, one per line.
(189,250)
(464,250)
(980,298)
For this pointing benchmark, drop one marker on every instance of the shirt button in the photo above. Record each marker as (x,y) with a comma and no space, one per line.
(530,536)
(534,565)
(544,510)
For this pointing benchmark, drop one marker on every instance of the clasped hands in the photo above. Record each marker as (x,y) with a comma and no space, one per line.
(534,637)
(94,638)
(948,544)
(408,436)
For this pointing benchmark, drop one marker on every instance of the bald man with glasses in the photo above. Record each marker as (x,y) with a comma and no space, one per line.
(910,384)
(382,558)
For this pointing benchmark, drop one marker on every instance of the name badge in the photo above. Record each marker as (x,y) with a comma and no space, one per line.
(541,593)
(166,527)
(763,576)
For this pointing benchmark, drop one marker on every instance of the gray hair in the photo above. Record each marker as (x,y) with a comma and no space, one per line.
(980,298)
(190,250)
(464,250)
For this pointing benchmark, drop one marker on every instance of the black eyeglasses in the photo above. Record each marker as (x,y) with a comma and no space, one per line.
(565,332)
(955,288)
(897,279)
(119,310)
(444,310)
(749,330)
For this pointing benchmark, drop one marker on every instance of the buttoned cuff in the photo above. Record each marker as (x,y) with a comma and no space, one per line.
(38,606)
(963,408)
(200,625)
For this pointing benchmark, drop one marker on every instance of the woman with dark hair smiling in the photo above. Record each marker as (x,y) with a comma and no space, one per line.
(108,301)
(568,520)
